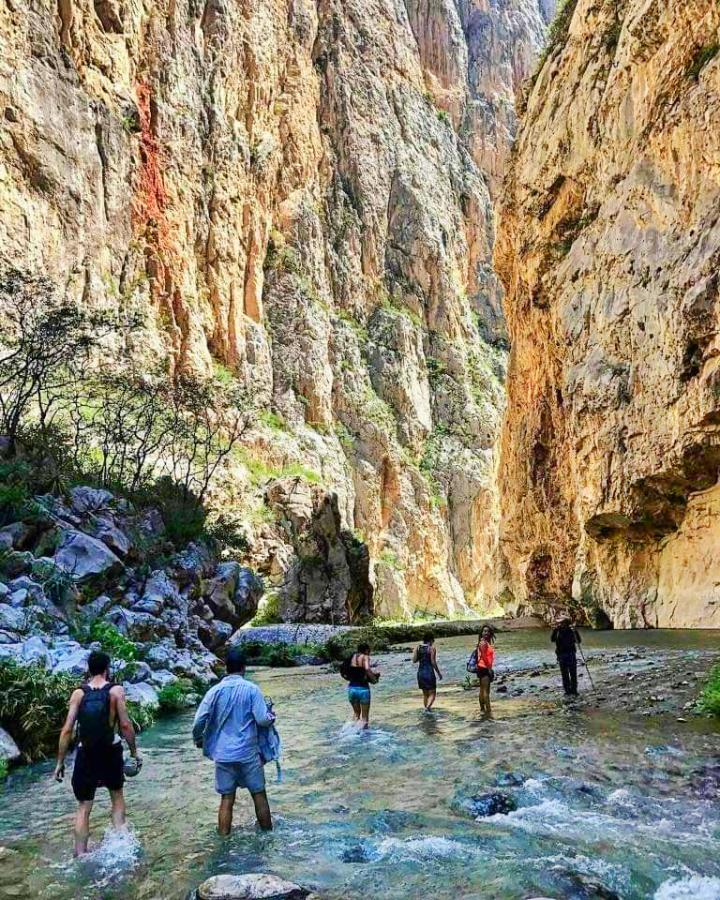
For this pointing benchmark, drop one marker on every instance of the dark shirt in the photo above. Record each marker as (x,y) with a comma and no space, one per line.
(565,638)
(357,676)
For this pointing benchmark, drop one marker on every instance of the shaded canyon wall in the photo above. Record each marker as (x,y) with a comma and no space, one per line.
(609,248)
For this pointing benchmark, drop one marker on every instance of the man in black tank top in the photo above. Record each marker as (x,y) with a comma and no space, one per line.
(98,708)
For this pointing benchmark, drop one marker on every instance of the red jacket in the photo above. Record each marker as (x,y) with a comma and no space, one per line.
(485,655)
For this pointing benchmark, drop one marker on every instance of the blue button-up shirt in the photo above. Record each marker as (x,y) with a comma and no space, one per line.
(227,719)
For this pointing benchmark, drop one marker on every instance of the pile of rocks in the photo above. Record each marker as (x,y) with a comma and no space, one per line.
(86,559)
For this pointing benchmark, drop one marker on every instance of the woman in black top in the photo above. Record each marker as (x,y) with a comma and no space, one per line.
(360,675)
(425,656)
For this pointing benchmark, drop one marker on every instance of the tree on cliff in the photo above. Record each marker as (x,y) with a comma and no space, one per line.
(45,346)
(136,432)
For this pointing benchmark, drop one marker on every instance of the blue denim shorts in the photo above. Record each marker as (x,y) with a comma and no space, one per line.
(229,776)
(358,694)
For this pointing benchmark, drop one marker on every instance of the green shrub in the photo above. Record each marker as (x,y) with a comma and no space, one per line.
(33,706)
(557,33)
(174,697)
(273,420)
(297,470)
(14,490)
(268,610)
(281,656)
(4,769)
(227,533)
(710,697)
(141,716)
(58,585)
(182,512)
(116,645)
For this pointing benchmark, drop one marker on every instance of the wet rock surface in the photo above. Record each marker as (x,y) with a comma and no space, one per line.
(491,804)
(249,887)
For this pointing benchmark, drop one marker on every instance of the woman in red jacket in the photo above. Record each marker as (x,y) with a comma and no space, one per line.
(485,657)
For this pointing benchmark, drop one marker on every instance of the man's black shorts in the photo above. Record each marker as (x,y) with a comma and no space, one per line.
(97,767)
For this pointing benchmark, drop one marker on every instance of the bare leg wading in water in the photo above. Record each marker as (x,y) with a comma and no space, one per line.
(98,708)
(226,727)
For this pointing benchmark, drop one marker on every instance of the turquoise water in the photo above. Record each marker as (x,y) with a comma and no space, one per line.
(605,800)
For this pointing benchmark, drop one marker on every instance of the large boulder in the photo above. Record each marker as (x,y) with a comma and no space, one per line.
(137,626)
(69,658)
(135,672)
(162,678)
(12,619)
(328,579)
(191,565)
(95,609)
(250,887)
(160,591)
(13,537)
(233,593)
(105,529)
(32,650)
(84,557)
(84,500)
(9,750)
(35,591)
(214,633)
(160,656)
(143,694)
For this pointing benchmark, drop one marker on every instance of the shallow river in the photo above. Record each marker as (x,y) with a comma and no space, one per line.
(605,800)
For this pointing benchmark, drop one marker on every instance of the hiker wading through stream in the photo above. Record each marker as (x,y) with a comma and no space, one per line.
(425,657)
(98,707)
(359,674)
(481,662)
(226,727)
(567,639)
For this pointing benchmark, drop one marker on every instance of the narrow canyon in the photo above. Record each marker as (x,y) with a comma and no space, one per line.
(462,261)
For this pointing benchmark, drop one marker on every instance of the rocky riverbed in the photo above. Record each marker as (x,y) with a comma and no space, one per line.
(609,796)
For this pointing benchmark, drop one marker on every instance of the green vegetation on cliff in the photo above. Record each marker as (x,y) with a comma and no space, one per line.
(152,438)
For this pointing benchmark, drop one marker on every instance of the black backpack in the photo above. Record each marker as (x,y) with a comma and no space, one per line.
(345,668)
(94,728)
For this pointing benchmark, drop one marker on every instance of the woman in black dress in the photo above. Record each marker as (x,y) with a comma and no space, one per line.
(425,656)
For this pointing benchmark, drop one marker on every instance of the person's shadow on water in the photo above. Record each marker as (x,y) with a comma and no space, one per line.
(429,723)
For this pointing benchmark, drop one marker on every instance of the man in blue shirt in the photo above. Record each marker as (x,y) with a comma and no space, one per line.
(225,727)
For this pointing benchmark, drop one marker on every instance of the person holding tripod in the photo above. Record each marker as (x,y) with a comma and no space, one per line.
(567,640)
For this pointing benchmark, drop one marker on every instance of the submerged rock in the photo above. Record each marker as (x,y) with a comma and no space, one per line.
(250,887)
(493,803)
(510,779)
(356,854)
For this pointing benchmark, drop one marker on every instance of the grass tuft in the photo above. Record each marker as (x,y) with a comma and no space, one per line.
(709,700)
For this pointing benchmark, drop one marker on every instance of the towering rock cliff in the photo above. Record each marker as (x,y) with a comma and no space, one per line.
(609,249)
(297,191)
